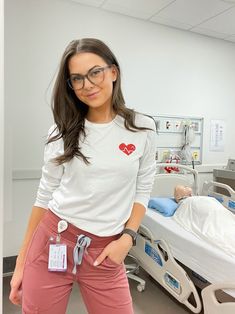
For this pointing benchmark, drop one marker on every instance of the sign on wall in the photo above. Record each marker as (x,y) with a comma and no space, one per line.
(217,135)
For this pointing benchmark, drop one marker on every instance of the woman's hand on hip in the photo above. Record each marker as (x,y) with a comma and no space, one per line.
(116,250)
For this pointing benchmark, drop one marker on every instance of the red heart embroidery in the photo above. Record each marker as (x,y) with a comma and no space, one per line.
(127,149)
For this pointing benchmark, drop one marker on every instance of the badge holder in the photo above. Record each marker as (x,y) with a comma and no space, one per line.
(57,260)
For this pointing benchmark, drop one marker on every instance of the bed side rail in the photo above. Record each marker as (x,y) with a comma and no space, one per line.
(208,189)
(156,258)
(186,169)
(210,302)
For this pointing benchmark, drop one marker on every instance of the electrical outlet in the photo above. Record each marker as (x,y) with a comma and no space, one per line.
(167,125)
(165,154)
(177,126)
(195,155)
(196,126)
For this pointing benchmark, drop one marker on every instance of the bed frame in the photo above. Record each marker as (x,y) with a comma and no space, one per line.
(161,265)
(155,256)
(210,302)
(210,189)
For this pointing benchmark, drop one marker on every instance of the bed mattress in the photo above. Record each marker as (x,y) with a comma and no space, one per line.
(206,260)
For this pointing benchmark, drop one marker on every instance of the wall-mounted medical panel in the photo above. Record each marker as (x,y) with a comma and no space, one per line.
(179,137)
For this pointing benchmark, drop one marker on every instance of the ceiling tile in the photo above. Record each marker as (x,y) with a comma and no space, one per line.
(193,12)
(223,23)
(172,23)
(143,9)
(214,18)
(229,1)
(208,32)
(94,3)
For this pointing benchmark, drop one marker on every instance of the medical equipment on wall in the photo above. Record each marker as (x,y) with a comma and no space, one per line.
(179,136)
(188,138)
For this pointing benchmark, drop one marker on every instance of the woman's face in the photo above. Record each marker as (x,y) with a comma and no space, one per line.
(98,87)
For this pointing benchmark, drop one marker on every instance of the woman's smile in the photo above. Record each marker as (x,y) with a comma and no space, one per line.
(92,95)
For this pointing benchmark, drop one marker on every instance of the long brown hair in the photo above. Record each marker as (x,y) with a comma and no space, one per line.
(69,112)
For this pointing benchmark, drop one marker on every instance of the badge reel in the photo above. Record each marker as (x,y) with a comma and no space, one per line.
(58,252)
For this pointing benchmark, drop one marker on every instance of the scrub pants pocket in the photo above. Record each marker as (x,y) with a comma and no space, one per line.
(39,245)
(43,292)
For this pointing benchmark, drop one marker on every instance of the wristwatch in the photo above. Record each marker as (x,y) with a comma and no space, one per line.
(132,233)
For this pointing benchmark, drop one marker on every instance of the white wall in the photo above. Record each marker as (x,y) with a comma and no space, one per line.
(165,71)
(1,139)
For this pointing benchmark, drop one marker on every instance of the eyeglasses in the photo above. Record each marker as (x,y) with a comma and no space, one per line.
(95,76)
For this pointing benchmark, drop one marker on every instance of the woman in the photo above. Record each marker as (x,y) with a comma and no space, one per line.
(99,165)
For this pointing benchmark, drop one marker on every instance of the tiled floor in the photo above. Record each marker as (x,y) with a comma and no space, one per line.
(154,300)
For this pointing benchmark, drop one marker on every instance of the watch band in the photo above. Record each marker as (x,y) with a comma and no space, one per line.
(132,233)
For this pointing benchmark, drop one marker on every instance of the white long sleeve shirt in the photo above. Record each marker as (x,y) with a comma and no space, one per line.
(99,197)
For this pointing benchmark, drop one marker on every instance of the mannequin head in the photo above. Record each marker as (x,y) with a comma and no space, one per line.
(182,191)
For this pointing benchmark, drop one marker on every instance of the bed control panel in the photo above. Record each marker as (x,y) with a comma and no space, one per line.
(172,282)
(231,205)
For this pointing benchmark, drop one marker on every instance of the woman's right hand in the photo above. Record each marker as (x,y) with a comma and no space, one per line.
(16,288)
(16,281)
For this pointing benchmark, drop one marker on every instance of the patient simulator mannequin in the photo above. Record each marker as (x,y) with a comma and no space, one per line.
(181,192)
(206,218)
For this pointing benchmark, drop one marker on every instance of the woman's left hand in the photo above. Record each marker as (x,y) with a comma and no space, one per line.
(116,250)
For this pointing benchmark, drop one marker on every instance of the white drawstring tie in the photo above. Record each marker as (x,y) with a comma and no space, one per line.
(80,248)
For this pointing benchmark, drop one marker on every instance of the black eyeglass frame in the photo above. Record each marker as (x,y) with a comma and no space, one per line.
(86,76)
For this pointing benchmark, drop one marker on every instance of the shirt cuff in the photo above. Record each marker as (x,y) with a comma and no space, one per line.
(143,200)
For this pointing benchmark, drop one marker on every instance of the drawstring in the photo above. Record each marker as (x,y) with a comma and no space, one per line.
(82,243)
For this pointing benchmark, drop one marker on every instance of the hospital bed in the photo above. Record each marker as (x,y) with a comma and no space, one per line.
(176,258)
(210,302)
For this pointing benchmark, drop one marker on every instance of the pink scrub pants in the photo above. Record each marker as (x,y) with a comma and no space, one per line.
(104,288)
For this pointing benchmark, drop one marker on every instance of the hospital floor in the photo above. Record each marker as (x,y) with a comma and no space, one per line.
(154,300)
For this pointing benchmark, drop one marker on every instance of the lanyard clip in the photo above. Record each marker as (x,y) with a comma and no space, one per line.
(61,227)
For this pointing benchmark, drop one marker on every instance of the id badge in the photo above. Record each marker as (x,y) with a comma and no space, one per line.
(57,260)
